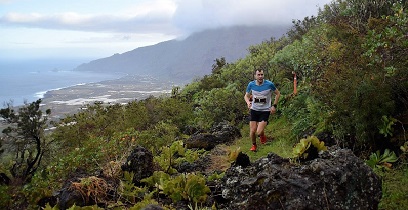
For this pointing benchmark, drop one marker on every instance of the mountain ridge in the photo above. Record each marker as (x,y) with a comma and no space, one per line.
(184,60)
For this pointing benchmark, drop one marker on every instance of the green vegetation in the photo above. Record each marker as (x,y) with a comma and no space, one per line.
(395,185)
(308,147)
(26,133)
(382,161)
(191,187)
(351,65)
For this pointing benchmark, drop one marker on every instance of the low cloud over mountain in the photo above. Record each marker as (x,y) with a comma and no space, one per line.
(183,60)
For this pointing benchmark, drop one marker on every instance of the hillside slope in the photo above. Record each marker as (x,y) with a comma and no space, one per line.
(183,60)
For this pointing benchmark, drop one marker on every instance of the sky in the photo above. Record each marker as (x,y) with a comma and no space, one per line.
(31,29)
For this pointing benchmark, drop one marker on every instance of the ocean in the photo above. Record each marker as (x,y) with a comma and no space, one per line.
(29,80)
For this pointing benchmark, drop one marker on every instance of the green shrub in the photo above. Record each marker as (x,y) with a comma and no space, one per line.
(218,105)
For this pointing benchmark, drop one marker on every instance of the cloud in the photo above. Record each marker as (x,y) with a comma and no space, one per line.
(80,22)
(170,16)
(104,27)
(149,17)
(201,14)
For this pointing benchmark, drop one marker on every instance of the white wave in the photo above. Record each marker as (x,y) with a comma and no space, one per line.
(41,94)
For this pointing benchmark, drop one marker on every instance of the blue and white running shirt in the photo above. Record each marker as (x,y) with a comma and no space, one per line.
(261,95)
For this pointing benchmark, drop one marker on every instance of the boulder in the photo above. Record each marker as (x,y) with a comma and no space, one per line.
(337,179)
(197,166)
(205,141)
(96,191)
(69,196)
(242,160)
(223,133)
(140,163)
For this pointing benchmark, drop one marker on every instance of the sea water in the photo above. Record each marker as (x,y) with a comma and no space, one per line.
(29,80)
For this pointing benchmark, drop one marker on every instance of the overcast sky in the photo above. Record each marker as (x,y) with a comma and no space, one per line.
(101,28)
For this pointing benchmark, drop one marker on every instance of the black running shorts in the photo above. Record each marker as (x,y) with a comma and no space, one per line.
(259,116)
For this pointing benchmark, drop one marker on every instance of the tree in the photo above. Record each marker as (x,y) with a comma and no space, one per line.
(25,138)
(366,64)
(217,66)
(300,28)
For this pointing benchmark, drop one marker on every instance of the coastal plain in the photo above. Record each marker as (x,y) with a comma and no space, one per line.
(70,100)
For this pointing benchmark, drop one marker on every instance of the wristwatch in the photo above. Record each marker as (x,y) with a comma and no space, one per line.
(275,105)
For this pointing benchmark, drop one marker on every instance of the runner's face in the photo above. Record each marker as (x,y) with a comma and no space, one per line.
(259,75)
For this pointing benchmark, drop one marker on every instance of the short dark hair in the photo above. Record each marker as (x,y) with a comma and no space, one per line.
(258,69)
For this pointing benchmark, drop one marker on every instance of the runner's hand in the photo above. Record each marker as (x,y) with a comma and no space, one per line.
(249,105)
(273,110)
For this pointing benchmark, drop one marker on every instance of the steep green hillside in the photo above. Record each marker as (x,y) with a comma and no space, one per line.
(352,91)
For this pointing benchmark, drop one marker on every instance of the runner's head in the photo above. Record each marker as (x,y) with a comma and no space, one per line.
(259,75)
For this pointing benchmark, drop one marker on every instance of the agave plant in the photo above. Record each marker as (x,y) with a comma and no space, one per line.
(382,161)
(303,148)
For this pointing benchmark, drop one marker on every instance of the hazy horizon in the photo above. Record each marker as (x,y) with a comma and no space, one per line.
(101,28)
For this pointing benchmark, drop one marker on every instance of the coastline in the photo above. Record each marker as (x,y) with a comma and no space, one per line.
(70,100)
(41,94)
(28,80)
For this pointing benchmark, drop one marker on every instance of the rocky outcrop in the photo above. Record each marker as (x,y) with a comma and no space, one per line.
(223,133)
(140,163)
(82,189)
(337,179)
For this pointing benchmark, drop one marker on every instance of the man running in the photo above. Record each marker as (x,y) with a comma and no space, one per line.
(260,107)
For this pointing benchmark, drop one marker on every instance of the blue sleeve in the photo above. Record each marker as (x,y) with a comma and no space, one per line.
(248,89)
(273,88)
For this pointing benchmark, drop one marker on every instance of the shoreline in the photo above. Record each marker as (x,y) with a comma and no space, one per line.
(24,87)
(41,94)
(70,100)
